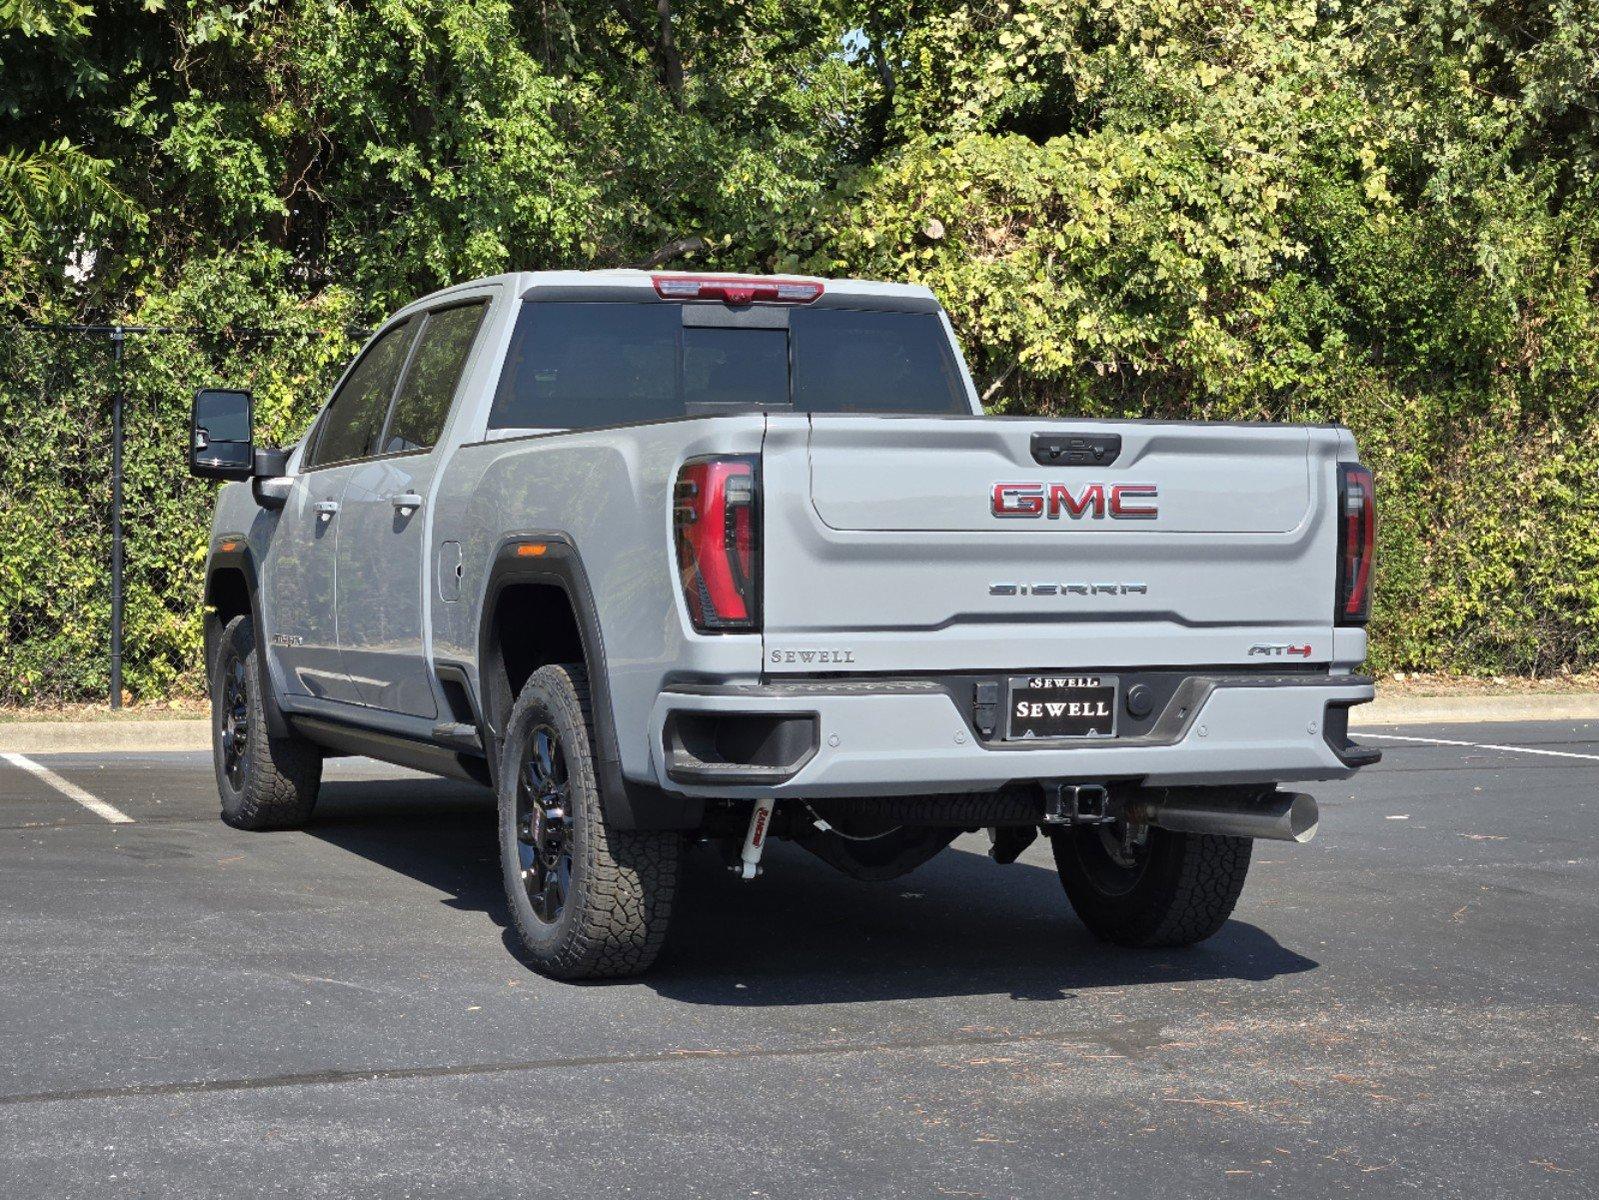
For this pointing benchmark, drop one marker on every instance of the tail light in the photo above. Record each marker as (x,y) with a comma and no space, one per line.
(718,542)
(1357,541)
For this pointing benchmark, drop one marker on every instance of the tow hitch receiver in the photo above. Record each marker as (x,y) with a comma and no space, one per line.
(1076,804)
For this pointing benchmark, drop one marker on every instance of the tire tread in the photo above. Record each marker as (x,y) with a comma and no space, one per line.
(1190,889)
(282,775)
(620,906)
(1209,881)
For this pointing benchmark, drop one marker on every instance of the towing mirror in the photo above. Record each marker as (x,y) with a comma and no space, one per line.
(220,445)
(271,483)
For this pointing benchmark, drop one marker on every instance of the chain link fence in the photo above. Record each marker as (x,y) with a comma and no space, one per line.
(58,398)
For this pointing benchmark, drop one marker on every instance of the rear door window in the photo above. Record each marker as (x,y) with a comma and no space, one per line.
(354,418)
(580,365)
(425,395)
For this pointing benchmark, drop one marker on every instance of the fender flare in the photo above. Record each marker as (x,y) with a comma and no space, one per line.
(231,552)
(628,805)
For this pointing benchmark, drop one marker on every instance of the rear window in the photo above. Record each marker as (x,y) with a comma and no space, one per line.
(581,365)
(847,361)
(735,367)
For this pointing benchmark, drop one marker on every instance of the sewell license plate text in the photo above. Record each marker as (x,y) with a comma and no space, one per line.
(1062,706)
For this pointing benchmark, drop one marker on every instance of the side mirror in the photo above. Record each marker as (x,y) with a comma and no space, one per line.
(271,461)
(220,444)
(270,485)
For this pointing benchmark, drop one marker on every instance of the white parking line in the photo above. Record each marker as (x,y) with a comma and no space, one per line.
(1395,737)
(68,789)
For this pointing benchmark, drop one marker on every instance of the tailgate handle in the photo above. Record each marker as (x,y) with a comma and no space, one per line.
(1076,449)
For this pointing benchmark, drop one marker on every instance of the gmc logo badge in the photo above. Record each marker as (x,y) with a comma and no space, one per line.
(1093,500)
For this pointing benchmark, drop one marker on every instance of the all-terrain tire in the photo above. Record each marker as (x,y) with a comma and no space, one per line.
(264,782)
(620,884)
(1181,891)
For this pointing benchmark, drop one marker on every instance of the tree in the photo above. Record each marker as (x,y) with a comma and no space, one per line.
(1385,214)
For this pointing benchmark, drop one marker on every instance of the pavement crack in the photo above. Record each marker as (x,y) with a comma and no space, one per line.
(1103,1037)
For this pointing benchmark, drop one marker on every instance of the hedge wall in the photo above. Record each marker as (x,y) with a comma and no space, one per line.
(55,480)
(1488,538)
(1385,213)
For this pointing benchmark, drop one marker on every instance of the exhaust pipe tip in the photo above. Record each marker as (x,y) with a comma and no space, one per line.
(1277,816)
(1303,817)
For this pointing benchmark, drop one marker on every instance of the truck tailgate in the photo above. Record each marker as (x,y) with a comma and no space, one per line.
(932,544)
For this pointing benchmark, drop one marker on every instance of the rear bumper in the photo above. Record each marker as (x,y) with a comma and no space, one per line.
(906,737)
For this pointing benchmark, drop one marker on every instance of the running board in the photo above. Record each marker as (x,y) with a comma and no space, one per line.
(435,758)
(458,735)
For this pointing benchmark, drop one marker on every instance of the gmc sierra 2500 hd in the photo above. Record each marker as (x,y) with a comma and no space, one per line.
(704,558)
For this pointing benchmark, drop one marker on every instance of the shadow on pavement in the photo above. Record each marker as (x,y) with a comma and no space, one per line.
(803,933)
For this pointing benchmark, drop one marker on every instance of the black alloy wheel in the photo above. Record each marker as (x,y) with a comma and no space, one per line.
(264,782)
(543,824)
(235,719)
(1108,858)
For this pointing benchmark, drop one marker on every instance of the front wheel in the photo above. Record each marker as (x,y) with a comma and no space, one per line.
(588,900)
(264,782)
(1165,889)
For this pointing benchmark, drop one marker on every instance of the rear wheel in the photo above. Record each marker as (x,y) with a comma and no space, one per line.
(264,782)
(1165,889)
(588,900)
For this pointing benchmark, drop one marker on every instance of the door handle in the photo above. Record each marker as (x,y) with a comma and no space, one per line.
(326,508)
(406,503)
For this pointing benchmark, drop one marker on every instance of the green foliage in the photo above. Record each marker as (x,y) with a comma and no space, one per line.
(1384,214)
(55,185)
(1159,208)
(55,407)
(32,18)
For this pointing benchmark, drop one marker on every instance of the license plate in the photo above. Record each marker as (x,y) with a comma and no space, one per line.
(1062,706)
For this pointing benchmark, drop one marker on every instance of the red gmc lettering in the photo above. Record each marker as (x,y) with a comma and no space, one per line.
(1122,511)
(1093,497)
(1095,501)
(1018,499)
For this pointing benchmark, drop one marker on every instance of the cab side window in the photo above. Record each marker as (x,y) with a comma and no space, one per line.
(429,387)
(354,419)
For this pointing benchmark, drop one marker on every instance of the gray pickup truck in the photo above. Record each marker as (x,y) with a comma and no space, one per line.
(684,559)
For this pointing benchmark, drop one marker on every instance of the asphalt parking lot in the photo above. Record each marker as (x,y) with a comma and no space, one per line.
(1409,1005)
